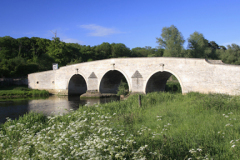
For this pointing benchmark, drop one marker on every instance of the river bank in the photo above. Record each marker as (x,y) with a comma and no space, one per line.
(166,126)
(20,91)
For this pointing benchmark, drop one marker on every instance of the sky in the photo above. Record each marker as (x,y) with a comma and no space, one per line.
(135,23)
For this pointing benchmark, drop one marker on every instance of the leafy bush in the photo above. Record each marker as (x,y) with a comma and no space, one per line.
(122,89)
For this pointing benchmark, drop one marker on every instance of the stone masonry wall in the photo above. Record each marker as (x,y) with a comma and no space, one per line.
(194,75)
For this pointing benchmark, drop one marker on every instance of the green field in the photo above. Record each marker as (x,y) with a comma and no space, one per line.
(166,126)
(21,91)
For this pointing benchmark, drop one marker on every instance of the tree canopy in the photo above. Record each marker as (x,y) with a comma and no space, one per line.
(197,45)
(21,56)
(172,41)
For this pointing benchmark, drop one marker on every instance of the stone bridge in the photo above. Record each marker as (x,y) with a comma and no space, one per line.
(143,75)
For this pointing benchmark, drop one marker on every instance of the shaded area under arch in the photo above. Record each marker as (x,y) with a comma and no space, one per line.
(111,81)
(158,82)
(77,85)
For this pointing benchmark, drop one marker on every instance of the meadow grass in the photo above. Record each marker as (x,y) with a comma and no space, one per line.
(166,126)
(21,91)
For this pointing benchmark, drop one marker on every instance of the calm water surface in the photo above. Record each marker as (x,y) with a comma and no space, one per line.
(52,105)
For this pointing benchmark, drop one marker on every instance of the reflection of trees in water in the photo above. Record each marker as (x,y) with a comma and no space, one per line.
(50,106)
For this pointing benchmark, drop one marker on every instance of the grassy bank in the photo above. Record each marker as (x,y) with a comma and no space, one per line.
(166,126)
(22,91)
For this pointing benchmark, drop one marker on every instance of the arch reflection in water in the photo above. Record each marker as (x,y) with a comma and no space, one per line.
(52,105)
(60,105)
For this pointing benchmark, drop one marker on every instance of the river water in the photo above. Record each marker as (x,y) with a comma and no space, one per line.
(51,105)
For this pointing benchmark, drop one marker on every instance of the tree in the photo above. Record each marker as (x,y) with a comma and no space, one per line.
(39,47)
(24,47)
(197,45)
(223,48)
(231,55)
(172,41)
(201,48)
(147,51)
(56,50)
(103,51)
(87,53)
(74,52)
(119,50)
(214,45)
(8,47)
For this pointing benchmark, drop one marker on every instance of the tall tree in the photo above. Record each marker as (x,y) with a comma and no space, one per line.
(172,41)
(56,50)
(197,45)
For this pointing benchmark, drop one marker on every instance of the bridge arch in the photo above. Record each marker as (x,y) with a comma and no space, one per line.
(77,85)
(111,79)
(152,82)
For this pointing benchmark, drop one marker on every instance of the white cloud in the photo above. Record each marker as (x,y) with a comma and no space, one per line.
(71,40)
(99,31)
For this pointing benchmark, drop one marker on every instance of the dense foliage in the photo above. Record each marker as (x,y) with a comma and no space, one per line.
(166,126)
(21,56)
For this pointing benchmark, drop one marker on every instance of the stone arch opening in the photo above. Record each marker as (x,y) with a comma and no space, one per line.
(163,82)
(111,81)
(77,85)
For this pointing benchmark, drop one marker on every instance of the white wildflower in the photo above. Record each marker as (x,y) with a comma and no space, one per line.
(199,149)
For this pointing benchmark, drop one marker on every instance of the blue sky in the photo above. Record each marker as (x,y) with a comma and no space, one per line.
(135,23)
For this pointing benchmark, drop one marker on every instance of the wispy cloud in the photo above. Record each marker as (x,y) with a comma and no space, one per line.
(71,40)
(99,31)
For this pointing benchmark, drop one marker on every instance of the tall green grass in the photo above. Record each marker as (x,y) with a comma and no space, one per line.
(22,92)
(166,126)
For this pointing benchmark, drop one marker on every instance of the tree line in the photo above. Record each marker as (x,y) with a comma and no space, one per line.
(21,56)
(198,47)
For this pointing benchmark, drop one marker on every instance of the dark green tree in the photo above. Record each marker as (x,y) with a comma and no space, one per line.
(56,50)
(103,51)
(231,55)
(8,47)
(88,53)
(197,45)
(119,50)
